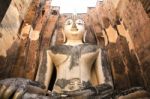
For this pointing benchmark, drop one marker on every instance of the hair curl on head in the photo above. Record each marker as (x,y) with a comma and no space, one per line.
(75,17)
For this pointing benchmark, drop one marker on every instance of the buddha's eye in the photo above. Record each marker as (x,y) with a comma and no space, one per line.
(79,23)
(68,23)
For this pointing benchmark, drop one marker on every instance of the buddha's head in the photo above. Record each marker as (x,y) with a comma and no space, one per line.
(74,28)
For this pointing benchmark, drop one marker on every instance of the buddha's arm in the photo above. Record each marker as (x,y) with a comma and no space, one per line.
(49,69)
(99,69)
(45,71)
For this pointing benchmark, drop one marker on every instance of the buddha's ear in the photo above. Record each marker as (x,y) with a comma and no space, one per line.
(64,36)
(84,36)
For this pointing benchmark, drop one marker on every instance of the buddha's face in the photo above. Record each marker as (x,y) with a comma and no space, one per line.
(74,26)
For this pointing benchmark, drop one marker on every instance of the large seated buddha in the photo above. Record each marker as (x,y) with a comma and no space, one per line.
(75,62)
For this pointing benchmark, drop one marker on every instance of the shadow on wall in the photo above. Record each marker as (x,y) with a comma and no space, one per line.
(7,62)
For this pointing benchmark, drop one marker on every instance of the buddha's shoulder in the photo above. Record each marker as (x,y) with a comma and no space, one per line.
(64,49)
(87,48)
(88,45)
(60,49)
(57,47)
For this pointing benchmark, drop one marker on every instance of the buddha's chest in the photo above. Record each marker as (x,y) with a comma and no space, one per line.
(73,55)
(74,50)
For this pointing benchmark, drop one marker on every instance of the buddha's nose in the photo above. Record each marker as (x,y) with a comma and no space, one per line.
(74,27)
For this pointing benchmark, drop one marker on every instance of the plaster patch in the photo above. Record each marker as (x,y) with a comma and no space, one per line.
(26,31)
(3,52)
(34,35)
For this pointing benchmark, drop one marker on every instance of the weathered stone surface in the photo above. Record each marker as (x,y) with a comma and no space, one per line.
(93,18)
(33,11)
(120,76)
(125,33)
(135,95)
(33,59)
(138,25)
(21,6)
(130,61)
(146,5)
(11,23)
(45,43)
(4,4)
(136,20)
(9,30)
(102,16)
(18,68)
(93,26)
(112,34)
(26,29)
(11,58)
(58,37)
(111,12)
(124,65)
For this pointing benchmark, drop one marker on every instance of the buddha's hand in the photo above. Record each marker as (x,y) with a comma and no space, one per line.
(17,87)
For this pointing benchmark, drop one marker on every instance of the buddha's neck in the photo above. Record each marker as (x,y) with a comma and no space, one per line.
(73,42)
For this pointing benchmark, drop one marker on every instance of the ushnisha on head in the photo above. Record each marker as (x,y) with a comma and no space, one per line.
(74,29)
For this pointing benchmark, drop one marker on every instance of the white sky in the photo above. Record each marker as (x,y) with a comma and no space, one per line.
(74,6)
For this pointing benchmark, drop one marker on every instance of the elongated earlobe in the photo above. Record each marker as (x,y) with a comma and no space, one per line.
(84,37)
(64,36)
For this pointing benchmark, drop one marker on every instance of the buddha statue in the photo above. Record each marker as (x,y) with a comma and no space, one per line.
(74,61)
